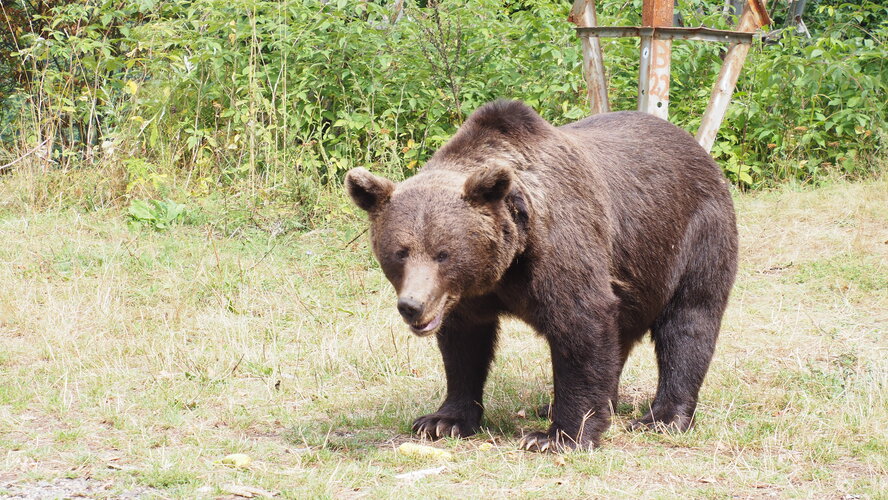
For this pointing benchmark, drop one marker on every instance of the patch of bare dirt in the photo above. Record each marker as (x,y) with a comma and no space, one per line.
(70,488)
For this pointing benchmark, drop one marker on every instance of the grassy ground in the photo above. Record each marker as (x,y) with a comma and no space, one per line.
(133,361)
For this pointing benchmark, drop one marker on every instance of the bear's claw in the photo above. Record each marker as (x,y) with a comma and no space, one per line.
(527,442)
(437,426)
(547,442)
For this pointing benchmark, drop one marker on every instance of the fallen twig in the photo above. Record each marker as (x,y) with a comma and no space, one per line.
(355,238)
(22,157)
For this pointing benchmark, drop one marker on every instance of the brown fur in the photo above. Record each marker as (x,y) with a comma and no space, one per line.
(593,233)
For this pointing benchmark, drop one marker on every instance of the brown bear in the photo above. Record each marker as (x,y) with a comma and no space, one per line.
(593,233)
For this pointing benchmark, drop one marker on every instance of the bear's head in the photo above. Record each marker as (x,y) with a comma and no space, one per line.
(440,236)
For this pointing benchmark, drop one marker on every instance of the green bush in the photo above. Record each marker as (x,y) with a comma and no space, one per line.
(157,214)
(282,97)
(807,108)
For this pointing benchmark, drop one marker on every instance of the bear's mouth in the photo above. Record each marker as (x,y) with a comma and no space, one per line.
(424,329)
(430,327)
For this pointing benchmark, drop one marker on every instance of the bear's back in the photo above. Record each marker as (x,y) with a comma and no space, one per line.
(645,148)
(650,168)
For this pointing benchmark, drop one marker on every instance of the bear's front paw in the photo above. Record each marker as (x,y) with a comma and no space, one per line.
(436,426)
(553,441)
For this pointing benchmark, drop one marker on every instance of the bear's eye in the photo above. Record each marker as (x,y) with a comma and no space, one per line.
(442,256)
(402,254)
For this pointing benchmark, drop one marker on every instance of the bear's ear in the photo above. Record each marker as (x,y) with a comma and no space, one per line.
(488,186)
(369,192)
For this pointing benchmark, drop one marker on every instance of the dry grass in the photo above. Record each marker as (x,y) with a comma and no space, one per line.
(137,359)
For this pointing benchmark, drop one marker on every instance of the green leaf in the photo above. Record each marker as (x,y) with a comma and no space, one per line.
(141,210)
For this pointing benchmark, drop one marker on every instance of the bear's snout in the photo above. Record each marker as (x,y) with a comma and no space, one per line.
(410,309)
(424,318)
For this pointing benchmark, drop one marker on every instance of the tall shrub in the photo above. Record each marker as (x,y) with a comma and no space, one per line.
(286,95)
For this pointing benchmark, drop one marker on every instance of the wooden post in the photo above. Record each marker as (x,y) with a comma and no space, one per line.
(656,59)
(583,15)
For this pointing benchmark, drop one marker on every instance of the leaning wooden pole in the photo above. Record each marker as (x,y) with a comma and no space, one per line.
(583,15)
(754,17)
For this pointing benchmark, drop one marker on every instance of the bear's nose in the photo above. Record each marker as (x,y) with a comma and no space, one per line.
(410,309)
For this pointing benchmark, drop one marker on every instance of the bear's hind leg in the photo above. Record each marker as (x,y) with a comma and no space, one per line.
(467,349)
(684,340)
